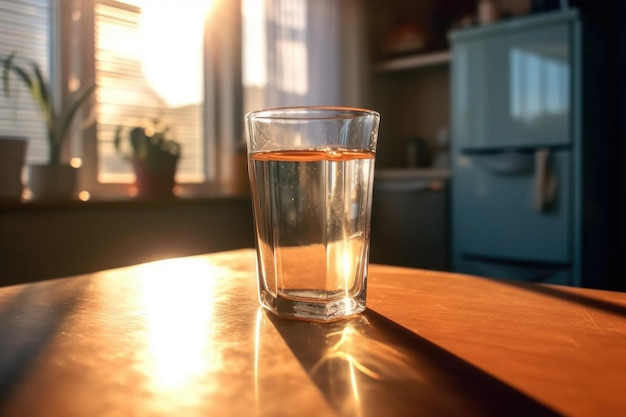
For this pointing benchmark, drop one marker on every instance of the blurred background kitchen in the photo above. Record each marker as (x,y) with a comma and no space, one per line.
(499,149)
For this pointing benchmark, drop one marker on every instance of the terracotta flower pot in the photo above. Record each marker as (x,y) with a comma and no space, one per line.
(155,180)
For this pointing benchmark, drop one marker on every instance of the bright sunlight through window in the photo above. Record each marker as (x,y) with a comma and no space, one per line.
(149,66)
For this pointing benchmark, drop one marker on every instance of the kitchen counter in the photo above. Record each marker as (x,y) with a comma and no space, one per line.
(410,218)
(411,173)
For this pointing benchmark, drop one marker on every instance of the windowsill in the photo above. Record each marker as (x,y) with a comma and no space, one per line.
(121,201)
(75,237)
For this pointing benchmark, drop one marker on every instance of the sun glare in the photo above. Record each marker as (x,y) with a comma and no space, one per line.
(84,195)
(171,39)
(179,315)
(76,162)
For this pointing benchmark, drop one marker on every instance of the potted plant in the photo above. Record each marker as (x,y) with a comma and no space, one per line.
(154,158)
(55,179)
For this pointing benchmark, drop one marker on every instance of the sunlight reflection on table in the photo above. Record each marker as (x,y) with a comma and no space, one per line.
(197,335)
(179,323)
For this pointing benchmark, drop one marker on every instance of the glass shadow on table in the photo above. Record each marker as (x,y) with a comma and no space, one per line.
(370,366)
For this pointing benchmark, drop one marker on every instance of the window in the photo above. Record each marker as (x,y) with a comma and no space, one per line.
(25,28)
(179,62)
(148,68)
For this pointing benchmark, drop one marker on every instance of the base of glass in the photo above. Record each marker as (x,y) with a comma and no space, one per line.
(313,309)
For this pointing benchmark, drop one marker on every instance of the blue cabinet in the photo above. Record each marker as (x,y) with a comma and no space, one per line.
(513,88)
(497,213)
(520,140)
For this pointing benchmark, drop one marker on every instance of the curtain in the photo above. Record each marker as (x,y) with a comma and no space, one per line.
(303,53)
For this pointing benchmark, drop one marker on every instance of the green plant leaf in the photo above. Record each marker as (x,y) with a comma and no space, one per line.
(117,139)
(57,124)
(41,95)
(69,116)
(37,88)
(44,94)
(138,141)
(6,71)
(23,75)
(41,83)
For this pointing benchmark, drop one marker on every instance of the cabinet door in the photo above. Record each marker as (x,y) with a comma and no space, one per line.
(495,209)
(513,89)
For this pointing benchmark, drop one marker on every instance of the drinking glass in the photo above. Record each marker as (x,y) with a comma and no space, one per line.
(311,174)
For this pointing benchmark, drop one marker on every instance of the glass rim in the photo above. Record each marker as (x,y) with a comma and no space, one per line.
(310,113)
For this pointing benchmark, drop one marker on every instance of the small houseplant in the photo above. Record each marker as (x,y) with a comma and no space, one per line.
(154,158)
(54,179)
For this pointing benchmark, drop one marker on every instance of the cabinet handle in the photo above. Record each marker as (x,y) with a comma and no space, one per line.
(545,181)
(410,186)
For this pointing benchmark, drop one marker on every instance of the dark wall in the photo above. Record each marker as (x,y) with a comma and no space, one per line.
(613,15)
(605,176)
(41,241)
(619,23)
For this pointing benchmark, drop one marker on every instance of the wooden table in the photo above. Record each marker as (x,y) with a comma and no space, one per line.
(187,337)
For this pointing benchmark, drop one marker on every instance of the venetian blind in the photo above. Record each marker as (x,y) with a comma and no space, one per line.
(25,27)
(127,95)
